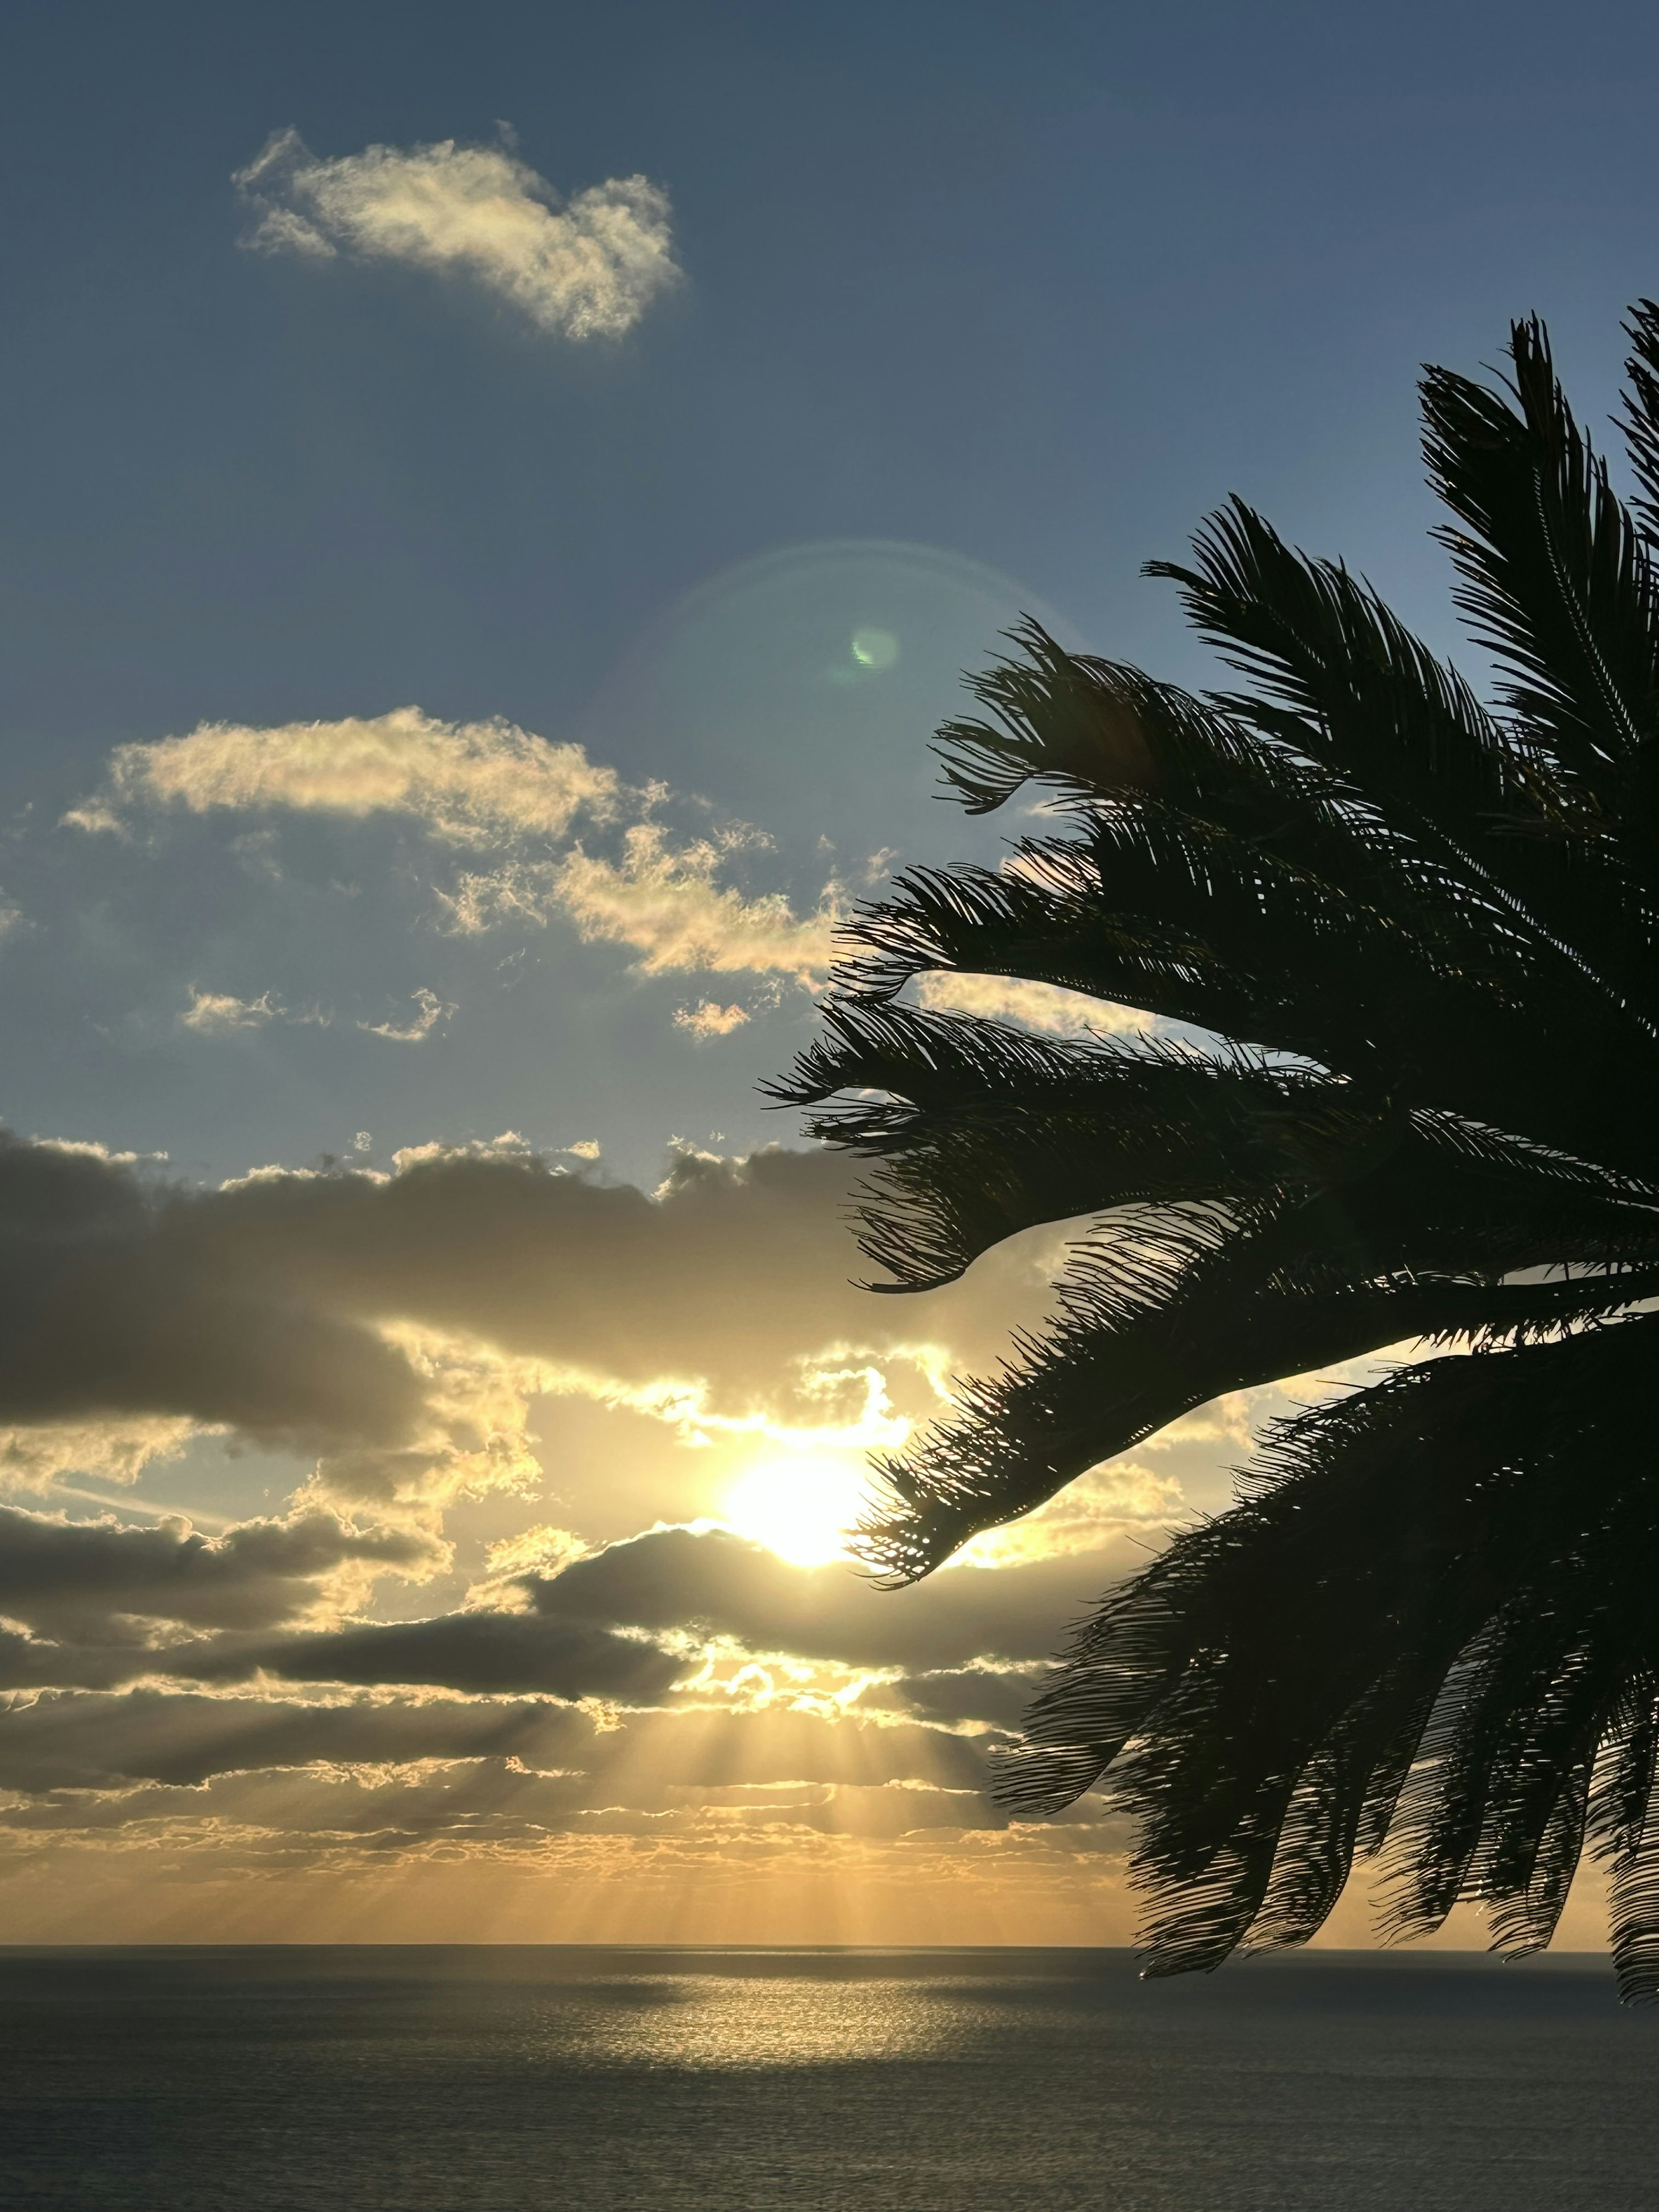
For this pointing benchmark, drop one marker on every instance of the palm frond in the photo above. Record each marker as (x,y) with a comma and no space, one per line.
(1414,1634)
(1639,416)
(979,1130)
(1199,927)
(1162,1308)
(1555,578)
(1411,943)
(1346,684)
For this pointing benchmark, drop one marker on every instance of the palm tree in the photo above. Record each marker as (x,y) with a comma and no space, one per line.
(1414,1102)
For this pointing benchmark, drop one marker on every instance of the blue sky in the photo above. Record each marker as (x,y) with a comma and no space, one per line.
(1031,292)
(958,311)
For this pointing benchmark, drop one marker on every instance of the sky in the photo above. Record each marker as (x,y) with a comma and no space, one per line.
(496,501)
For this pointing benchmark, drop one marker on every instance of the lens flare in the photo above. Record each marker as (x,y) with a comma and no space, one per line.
(875,649)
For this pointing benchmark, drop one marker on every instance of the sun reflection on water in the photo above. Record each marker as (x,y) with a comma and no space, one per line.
(710,2022)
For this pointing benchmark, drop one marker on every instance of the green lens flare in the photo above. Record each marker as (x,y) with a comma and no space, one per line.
(875,649)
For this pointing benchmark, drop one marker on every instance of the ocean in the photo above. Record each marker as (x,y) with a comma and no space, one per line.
(502,2079)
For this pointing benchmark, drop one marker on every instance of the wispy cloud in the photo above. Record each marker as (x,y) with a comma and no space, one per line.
(36,1456)
(708,1019)
(219,1013)
(430,1011)
(214,1012)
(587,269)
(467,782)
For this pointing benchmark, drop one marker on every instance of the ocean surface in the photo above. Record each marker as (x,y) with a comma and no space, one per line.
(511,2080)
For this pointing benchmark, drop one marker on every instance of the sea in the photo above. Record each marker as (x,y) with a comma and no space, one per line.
(506,2079)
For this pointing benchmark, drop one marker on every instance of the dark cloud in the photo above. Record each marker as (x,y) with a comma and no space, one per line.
(994,1696)
(84,1741)
(486,1799)
(73,1580)
(472,1653)
(966,1640)
(114,1300)
(723,1585)
(34,1662)
(76,1741)
(494,1801)
(480,1652)
(257,1304)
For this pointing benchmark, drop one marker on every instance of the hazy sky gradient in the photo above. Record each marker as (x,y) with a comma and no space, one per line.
(496,501)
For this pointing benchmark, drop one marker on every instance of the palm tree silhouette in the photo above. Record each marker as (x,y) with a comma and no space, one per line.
(1416,939)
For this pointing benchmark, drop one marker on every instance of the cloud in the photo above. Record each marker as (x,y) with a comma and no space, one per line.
(469,783)
(37,1456)
(482,1652)
(219,1013)
(708,1019)
(682,1616)
(108,1313)
(397,1324)
(667,904)
(167,1813)
(397,1330)
(587,270)
(715,1584)
(518,891)
(78,1742)
(431,1011)
(71,1580)
(705,1591)
(994,1696)
(214,1012)
(1088,1513)
(489,783)
(1042,1006)
(684,1611)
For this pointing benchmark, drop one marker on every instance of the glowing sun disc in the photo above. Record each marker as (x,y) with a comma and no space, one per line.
(801,1508)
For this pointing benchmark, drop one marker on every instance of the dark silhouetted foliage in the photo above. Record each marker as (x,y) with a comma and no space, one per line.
(1414,1101)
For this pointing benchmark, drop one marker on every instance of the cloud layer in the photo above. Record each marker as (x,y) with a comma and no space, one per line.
(245,1703)
(586,270)
(395,1321)
(398,1326)
(80,1581)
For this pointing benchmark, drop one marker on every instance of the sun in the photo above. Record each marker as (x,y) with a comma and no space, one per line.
(801,1508)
